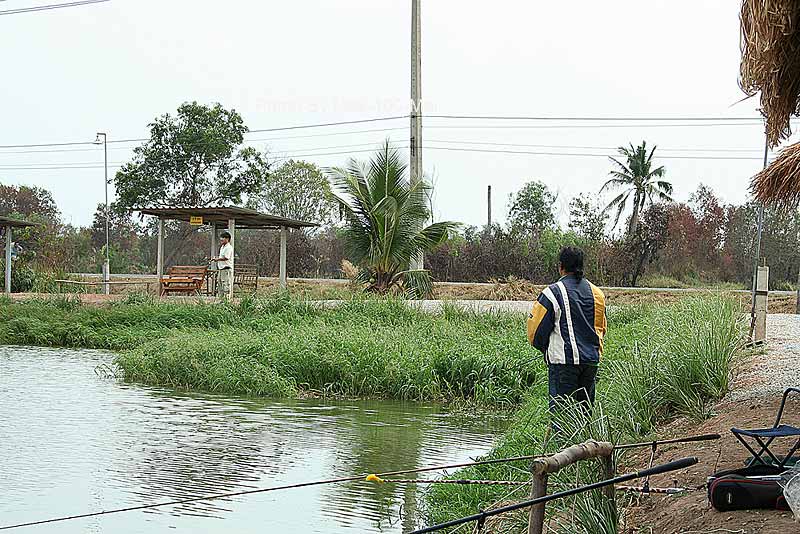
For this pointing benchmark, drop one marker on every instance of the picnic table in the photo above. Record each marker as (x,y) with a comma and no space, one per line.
(184,280)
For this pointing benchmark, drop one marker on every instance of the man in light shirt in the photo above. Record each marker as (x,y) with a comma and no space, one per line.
(224,265)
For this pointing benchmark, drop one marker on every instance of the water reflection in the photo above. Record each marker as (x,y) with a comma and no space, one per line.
(73,442)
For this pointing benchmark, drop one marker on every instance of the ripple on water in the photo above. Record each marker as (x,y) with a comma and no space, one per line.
(74,442)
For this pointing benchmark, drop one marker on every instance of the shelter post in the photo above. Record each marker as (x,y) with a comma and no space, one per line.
(160,253)
(282,273)
(232,231)
(8,260)
(213,243)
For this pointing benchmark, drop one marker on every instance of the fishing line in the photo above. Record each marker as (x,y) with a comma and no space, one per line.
(266,490)
(331,481)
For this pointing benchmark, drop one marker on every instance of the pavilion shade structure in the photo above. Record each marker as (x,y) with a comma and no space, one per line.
(230,218)
(245,218)
(8,225)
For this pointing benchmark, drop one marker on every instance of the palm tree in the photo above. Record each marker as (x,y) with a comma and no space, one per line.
(384,216)
(637,178)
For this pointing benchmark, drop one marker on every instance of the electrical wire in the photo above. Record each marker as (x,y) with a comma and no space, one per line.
(576,154)
(588,118)
(661,149)
(49,7)
(696,122)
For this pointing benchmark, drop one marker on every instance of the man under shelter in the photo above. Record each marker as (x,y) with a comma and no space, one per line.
(224,265)
(568,324)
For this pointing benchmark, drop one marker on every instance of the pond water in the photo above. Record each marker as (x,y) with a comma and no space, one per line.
(73,441)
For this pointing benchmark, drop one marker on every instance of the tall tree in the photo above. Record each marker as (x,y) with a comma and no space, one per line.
(532,209)
(192,159)
(28,202)
(587,218)
(385,215)
(298,190)
(639,179)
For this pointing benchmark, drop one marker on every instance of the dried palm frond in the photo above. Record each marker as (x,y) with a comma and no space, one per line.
(779,183)
(770,43)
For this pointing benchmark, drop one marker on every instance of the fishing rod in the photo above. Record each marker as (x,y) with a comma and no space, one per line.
(637,489)
(482,516)
(266,490)
(691,439)
(324,482)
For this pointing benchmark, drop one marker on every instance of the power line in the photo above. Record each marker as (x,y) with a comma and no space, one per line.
(578,154)
(361,121)
(50,6)
(660,149)
(434,126)
(590,118)
(91,165)
(589,126)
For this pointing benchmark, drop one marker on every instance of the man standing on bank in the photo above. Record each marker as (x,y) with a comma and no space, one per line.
(568,323)
(224,265)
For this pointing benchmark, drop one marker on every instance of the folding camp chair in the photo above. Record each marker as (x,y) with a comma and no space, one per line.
(770,434)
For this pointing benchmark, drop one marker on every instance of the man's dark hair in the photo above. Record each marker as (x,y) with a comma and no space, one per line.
(571,260)
(227,235)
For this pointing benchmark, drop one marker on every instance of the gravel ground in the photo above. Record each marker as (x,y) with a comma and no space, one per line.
(772,369)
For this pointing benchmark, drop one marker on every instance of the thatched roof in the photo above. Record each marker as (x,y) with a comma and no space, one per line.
(770,65)
(779,183)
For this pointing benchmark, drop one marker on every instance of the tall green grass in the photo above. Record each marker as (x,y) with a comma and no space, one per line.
(659,363)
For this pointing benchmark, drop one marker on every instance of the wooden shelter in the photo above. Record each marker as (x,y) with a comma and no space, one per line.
(229,217)
(8,224)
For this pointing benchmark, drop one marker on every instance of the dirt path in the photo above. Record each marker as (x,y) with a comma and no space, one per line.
(776,367)
(760,381)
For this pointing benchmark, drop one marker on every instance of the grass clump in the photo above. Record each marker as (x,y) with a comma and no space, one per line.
(365,347)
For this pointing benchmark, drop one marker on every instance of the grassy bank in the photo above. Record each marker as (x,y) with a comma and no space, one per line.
(659,363)
(282,347)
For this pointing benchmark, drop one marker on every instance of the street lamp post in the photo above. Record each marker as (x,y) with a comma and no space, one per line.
(107,264)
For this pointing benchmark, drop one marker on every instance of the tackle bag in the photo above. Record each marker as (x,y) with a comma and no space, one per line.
(751,488)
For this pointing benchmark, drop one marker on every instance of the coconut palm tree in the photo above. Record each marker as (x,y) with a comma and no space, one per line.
(638,179)
(385,216)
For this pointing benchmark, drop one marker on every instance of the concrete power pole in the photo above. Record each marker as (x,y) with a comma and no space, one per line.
(416,102)
(489,207)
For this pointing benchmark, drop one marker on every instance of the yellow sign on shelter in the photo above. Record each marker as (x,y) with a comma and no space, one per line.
(195,220)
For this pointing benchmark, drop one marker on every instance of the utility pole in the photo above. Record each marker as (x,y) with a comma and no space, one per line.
(416,103)
(107,262)
(758,250)
(489,207)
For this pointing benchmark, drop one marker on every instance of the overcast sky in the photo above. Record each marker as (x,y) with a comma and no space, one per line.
(115,66)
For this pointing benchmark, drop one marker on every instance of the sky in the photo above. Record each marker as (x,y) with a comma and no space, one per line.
(115,66)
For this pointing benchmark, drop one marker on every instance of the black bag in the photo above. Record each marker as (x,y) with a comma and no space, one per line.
(750,488)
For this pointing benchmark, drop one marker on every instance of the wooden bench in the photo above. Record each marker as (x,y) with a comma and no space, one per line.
(184,280)
(245,277)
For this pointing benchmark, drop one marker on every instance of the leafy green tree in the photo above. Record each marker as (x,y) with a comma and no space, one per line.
(587,218)
(192,159)
(384,216)
(298,190)
(637,178)
(532,209)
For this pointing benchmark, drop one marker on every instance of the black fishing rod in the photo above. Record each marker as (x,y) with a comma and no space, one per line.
(328,481)
(691,439)
(266,490)
(482,516)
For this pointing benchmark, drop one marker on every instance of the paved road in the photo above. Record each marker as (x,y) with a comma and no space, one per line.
(338,281)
